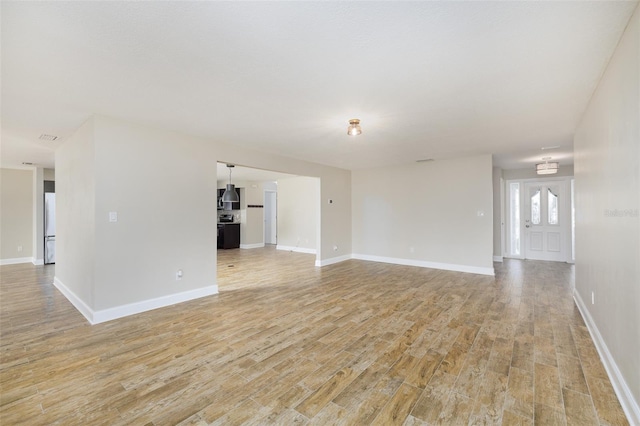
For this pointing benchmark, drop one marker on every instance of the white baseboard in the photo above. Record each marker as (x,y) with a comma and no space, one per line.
(629,404)
(16,260)
(296,249)
(332,260)
(251,246)
(104,315)
(497,258)
(426,264)
(37,262)
(79,304)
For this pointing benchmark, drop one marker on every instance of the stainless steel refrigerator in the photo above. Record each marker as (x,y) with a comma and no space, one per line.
(49,228)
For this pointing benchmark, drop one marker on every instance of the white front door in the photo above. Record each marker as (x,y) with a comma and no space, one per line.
(546,224)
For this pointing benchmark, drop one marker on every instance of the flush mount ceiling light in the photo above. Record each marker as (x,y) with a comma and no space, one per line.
(547,168)
(354,127)
(230,195)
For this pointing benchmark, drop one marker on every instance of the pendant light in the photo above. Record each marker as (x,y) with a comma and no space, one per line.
(354,128)
(230,195)
(547,168)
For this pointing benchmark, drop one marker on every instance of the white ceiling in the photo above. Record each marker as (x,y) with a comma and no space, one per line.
(248,174)
(427,79)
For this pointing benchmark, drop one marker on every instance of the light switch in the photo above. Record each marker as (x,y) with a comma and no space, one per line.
(113,216)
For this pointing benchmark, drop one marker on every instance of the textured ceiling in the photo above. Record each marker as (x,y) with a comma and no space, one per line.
(427,79)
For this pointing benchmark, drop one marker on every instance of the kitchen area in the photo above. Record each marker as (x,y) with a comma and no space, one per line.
(258,208)
(240,206)
(229,217)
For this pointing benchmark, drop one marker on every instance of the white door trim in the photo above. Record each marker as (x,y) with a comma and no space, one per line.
(545,240)
(566,180)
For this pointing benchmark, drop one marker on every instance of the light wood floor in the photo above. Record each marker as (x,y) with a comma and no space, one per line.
(286,343)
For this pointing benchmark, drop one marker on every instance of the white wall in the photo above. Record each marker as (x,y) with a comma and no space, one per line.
(16,211)
(49,174)
(14,225)
(164,191)
(426,214)
(270,186)
(75,218)
(298,207)
(38,216)
(497,218)
(163,187)
(607,189)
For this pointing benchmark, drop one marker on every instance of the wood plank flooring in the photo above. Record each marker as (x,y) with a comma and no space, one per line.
(287,343)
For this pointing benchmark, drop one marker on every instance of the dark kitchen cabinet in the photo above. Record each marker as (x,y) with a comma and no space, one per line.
(228,206)
(228,235)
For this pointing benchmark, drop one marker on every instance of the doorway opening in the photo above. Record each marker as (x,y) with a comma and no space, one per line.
(276,224)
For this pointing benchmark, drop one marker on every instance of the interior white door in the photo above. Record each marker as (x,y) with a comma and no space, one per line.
(270,217)
(545,222)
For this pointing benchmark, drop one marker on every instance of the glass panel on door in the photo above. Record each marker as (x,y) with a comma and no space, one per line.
(535,208)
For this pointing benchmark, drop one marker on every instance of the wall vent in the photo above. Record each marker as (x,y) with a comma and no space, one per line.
(425,160)
(46,137)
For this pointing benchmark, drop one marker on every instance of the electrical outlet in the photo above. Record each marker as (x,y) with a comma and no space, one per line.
(335,248)
(179,275)
(19,248)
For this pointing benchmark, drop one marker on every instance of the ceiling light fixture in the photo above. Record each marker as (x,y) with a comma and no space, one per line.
(547,168)
(354,128)
(230,195)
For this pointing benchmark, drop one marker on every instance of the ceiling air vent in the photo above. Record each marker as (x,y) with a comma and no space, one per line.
(46,137)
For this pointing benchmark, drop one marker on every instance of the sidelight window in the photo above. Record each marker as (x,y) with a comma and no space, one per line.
(552,207)
(514,218)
